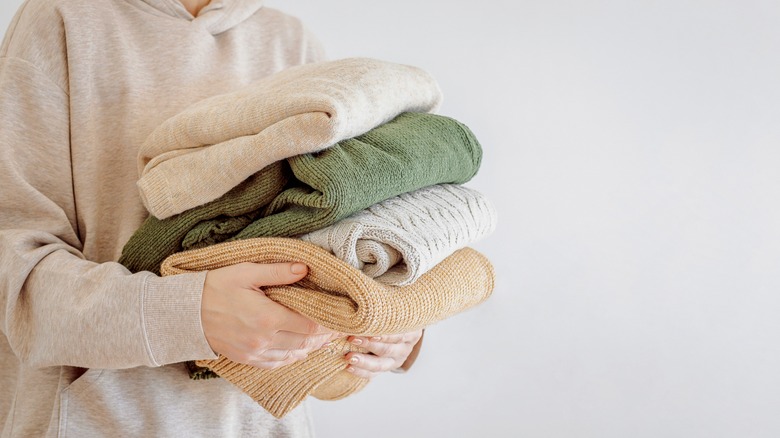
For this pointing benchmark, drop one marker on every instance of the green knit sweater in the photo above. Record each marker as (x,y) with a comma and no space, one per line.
(412,151)
(157,239)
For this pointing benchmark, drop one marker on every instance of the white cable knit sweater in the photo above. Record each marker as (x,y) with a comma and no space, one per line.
(401,238)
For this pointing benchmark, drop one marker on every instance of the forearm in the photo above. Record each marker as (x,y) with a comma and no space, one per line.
(59,309)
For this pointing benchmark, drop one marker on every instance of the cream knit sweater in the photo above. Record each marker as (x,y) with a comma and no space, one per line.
(305,109)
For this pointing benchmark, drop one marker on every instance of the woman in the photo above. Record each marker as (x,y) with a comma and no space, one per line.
(91,349)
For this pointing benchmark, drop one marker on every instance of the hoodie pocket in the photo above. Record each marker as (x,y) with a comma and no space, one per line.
(164,401)
(73,393)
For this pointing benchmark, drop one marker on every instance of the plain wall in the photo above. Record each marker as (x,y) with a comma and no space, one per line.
(631,150)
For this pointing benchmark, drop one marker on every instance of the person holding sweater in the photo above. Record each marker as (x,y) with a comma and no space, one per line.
(89,349)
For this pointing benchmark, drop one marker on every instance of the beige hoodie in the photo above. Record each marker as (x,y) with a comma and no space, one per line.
(82,84)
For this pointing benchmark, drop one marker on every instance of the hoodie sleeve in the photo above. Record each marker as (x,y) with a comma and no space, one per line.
(56,307)
(313,51)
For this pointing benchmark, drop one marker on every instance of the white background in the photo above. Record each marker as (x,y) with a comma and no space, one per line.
(631,149)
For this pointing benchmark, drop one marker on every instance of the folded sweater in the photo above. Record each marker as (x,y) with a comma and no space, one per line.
(412,151)
(341,298)
(401,238)
(209,148)
(156,239)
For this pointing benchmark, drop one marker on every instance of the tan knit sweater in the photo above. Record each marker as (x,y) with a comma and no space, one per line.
(342,298)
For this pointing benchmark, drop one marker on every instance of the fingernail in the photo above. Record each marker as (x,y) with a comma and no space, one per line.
(356,341)
(327,345)
(353,360)
(350,369)
(298,268)
(376,338)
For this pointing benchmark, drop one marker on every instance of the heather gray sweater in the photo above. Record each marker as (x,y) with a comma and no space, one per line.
(82,84)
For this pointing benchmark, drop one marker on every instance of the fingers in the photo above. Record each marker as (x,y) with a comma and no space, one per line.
(275,274)
(369,366)
(282,349)
(379,344)
(285,348)
(386,353)
(272,274)
(246,326)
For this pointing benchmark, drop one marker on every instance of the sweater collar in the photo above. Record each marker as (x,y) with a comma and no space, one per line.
(216,17)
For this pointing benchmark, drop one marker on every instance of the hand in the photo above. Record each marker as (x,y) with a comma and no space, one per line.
(387,353)
(245,326)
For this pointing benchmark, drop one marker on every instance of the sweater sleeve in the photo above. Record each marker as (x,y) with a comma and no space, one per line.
(56,307)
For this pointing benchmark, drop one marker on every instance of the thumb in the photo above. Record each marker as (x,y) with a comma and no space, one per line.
(274,274)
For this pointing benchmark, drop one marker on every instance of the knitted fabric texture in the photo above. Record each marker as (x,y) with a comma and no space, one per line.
(156,239)
(342,298)
(296,111)
(401,238)
(412,151)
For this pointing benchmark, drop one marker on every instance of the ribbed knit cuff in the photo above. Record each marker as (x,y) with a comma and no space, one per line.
(153,188)
(171,318)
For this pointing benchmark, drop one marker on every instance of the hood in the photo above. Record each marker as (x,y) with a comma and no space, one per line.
(217,17)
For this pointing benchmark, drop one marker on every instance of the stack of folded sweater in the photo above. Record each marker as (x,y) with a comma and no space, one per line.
(339,165)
